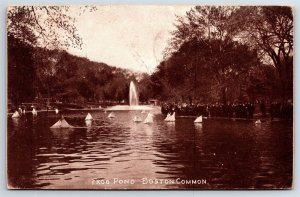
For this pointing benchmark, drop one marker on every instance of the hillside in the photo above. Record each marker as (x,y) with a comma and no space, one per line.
(37,74)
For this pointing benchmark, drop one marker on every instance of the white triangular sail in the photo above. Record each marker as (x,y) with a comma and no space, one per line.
(258,122)
(89,117)
(149,118)
(65,124)
(170,118)
(56,111)
(168,115)
(111,115)
(198,120)
(34,111)
(16,115)
(62,123)
(137,119)
(56,125)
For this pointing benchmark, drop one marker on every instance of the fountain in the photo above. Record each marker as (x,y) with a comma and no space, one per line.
(133,102)
(133,98)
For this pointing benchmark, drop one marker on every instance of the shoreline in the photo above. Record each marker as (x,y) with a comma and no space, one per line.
(66,109)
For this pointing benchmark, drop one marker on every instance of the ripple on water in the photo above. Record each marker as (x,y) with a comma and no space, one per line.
(229,154)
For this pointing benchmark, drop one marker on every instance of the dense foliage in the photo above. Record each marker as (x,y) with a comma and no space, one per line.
(221,54)
(216,54)
(36,73)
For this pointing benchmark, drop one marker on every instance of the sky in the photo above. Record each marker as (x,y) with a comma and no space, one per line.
(132,37)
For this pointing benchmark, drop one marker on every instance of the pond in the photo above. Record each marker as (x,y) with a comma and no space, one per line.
(121,154)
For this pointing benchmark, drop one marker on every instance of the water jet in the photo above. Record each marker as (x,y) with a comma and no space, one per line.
(133,102)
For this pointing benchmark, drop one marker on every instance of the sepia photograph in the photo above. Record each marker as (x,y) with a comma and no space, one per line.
(149,97)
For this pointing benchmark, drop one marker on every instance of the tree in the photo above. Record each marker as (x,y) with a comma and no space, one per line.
(21,72)
(44,26)
(203,23)
(270,29)
(38,29)
(206,52)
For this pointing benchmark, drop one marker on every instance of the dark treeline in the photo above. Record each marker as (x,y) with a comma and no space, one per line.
(228,54)
(216,54)
(36,74)
(245,110)
(39,70)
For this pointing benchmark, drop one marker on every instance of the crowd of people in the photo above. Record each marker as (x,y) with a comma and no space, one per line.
(244,110)
(281,110)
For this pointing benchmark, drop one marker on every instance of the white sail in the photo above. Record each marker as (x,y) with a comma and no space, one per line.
(56,125)
(168,115)
(198,120)
(62,123)
(34,111)
(149,118)
(258,122)
(170,118)
(16,115)
(111,115)
(56,111)
(89,117)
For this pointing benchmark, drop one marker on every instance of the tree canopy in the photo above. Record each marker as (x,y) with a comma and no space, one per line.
(218,52)
(270,29)
(63,77)
(44,26)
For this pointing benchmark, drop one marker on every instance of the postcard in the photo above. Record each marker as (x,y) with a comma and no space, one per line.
(144,97)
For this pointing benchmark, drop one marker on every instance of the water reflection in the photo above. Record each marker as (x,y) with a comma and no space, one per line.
(228,154)
(16,122)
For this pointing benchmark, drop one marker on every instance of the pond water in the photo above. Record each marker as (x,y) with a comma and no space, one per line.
(121,154)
